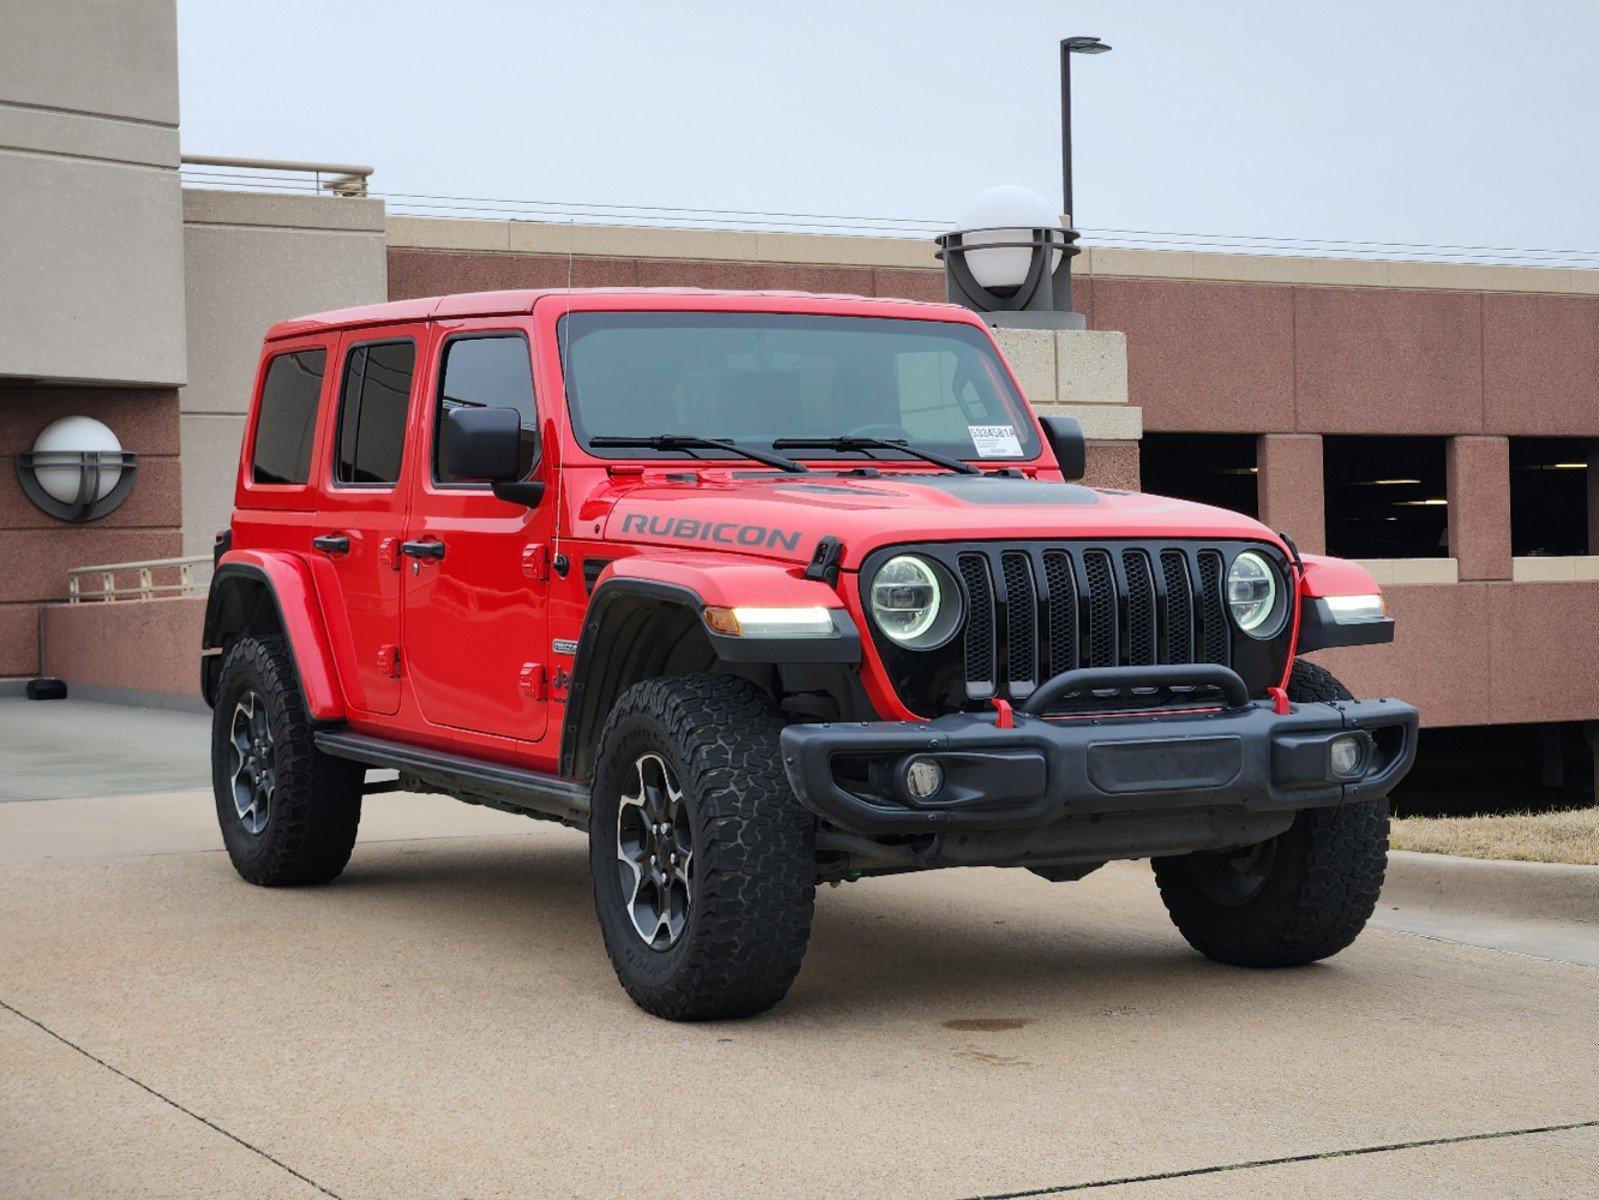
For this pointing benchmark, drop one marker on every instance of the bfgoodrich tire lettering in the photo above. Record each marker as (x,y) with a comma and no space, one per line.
(753,877)
(313,804)
(1303,896)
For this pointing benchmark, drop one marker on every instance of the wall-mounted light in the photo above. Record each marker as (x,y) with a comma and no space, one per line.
(77,470)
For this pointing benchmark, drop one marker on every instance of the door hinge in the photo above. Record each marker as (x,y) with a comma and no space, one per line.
(389,660)
(536,561)
(389,553)
(534,682)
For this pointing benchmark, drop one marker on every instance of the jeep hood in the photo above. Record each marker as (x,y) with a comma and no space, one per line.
(784,516)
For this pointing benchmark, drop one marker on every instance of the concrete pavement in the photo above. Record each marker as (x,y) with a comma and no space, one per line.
(50,749)
(442,1021)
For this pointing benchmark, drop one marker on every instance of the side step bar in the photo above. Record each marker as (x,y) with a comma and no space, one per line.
(471,779)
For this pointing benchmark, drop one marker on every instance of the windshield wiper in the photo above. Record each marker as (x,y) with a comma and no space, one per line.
(688,441)
(855,442)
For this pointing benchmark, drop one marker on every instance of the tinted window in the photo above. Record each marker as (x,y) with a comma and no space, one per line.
(286,425)
(372,410)
(757,377)
(487,372)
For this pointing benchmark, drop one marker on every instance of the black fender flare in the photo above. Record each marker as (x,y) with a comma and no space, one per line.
(589,689)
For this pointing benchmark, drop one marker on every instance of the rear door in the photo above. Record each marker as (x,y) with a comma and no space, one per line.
(477,595)
(361,517)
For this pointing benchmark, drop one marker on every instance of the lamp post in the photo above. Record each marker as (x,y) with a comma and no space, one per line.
(1011,257)
(1068,47)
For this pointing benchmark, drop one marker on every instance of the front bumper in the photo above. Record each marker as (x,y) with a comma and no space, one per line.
(1244,757)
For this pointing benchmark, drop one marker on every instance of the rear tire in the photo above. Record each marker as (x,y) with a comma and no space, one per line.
(1304,895)
(288,812)
(703,861)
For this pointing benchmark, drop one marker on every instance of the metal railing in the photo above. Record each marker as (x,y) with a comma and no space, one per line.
(275,175)
(153,579)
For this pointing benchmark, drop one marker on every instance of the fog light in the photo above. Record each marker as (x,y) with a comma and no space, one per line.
(923,778)
(1346,756)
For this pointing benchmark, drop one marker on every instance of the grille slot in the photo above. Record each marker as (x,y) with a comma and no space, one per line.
(1213,610)
(1062,585)
(1021,624)
(1179,607)
(1142,635)
(980,648)
(1102,606)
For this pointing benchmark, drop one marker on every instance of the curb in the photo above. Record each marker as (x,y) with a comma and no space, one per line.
(1546,891)
(1545,910)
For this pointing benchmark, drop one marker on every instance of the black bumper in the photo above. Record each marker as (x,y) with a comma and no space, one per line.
(1245,757)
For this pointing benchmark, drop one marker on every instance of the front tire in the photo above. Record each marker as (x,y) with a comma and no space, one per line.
(1302,896)
(703,862)
(288,812)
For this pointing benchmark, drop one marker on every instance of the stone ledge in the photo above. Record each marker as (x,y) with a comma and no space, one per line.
(629,241)
(213,206)
(1555,569)
(1101,422)
(1390,572)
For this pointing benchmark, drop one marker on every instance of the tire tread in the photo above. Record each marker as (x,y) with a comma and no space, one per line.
(1317,899)
(316,805)
(756,856)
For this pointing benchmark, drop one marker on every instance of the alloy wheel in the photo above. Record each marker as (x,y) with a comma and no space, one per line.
(254,776)
(655,853)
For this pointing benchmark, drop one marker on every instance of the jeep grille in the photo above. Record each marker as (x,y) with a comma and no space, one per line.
(1035,609)
(1099,608)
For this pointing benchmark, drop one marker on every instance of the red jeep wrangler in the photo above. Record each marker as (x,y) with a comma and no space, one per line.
(765,590)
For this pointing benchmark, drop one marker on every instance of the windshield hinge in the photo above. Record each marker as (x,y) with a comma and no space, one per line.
(825,560)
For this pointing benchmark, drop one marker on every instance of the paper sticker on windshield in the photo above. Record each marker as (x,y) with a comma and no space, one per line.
(995,441)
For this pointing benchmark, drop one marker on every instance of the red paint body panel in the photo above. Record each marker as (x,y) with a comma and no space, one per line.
(1326,576)
(724,580)
(300,607)
(475,630)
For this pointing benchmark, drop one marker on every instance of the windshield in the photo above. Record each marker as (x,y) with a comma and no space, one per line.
(760,377)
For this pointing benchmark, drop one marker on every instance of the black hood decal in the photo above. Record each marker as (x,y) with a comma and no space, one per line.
(1006,489)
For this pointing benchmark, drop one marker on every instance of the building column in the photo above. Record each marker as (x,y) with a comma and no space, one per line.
(1290,489)
(1082,373)
(1479,506)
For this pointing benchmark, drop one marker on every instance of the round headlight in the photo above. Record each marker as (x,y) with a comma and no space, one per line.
(1252,592)
(906,597)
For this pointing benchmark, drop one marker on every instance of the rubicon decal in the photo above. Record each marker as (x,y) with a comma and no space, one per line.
(727,533)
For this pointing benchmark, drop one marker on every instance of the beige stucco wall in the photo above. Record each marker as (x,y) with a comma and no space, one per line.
(252,260)
(1078,373)
(90,225)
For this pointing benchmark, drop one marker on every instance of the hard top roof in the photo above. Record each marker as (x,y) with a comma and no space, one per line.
(522,300)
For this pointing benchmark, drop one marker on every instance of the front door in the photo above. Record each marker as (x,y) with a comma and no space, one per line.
(477,586)
(361,514)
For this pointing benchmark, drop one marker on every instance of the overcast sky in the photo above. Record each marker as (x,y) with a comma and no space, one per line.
(1432,122)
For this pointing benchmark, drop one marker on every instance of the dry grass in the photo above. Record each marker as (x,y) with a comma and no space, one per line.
(1557,837)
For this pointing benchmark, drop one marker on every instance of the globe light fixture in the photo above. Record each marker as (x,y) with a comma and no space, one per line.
(1011,258)
(1010,261)
(77,470)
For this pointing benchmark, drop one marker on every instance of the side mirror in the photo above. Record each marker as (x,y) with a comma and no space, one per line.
(486,443)
(1065,437)
(483,443)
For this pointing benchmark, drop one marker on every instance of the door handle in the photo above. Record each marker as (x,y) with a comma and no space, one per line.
(428,549)
(332,543)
